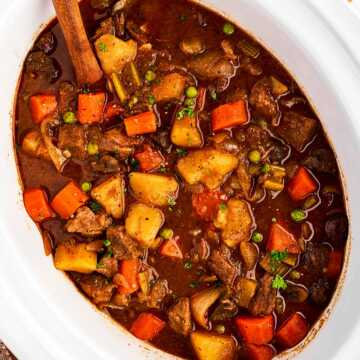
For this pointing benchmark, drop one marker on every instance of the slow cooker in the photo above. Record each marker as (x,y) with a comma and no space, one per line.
(44,317)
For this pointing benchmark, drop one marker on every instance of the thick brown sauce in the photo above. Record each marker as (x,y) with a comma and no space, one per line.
(168,28)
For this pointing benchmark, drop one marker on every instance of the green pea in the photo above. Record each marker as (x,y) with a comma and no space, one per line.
(92,149)
(86,186)
(167,233)
(150,76)
(295,275)
(191,92)
(254,156)
(298,215)
(257,237)
(69,118)
(228,29)
(189,102)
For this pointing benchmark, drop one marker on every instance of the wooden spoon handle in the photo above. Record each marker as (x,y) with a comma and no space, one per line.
(87,68)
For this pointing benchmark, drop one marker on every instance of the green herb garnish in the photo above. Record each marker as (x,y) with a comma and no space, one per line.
(107,242)
(181,152)
(276,257)
(184,113)
(194,284)
(188,265)
(94,206)
(279,283)
(102,47)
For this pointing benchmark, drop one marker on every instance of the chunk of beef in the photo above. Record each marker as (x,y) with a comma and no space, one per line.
(39,64)
(316,258)
(116,142)
(67,97)
(220,263)
(253,137)
(262,99)
(297,130)
(321,160)
(336,228)
(106,27)
(226,310)
(46,43)
(96,286)
(157,294)
(192,45)
(137,32)
(100,4)
(319,291)
(250,66)
(88,223)
(200,251)
(180,317)
(106,165)
(119,23)
(245,180)
(72,139)
(107,266)
(264,300)
(212,64)
(237,95)
(123,246)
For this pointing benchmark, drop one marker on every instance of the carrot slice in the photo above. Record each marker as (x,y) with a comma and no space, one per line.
(280,239)
(334,266)
(229,115)
(91,107)
(301,185)
(260,352)
(292,331)
(129,269)
(171,249)
(112,110)
(206,203)
(256,330)
(144,123)
(36,204)
(147,326)
(68,200)
(41,106)
(149,159)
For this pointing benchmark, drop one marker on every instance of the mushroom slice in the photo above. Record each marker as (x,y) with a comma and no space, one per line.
(55,153)
(201,302)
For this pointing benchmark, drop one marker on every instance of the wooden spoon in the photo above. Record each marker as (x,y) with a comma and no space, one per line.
(87,68)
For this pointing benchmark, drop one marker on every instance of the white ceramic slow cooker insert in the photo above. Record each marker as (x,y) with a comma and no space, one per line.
(43,316)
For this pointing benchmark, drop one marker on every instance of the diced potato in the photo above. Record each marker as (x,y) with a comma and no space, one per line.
(75,257)
(143,223)
(210,346)
(208,166)
(111,195)
(245,291)
(185,132)
(33,145)
(171,87)
(236,222)
(114,53)
(159,190)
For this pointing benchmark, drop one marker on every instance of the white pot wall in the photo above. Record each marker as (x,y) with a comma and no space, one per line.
(46,317)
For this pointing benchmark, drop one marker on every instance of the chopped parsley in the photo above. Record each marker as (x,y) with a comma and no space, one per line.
(194,284)
(183,17)
(163,169)
(171,201)
(107,242)
(279,283)
(181,152)
(185,112)
(95,206)
(109,253)
(188,265)
(134,164)
(151,99)
(276,257)
(223,206)
(213,94)
(102,47)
